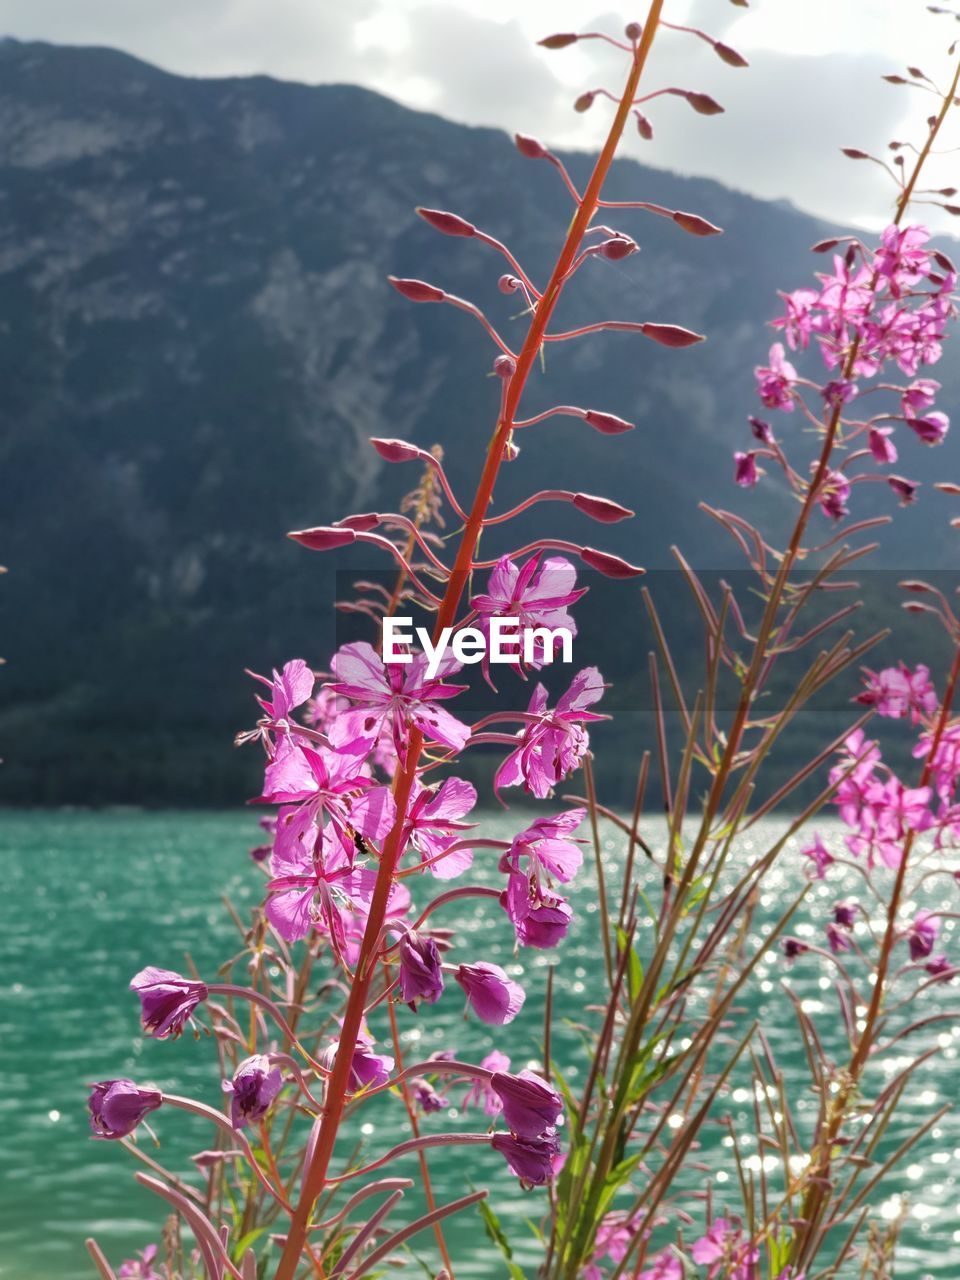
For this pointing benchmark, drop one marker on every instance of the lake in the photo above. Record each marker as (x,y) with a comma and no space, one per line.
(90,898)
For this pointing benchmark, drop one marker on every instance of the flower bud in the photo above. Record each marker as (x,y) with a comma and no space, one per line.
(633,31)
(533,1160)
(854,153)
(417,290)
(511,451)
(584,102)
(762,431)
(730,56)
(609,565)
(254,1086)
(508,283)
(447,223)
(824,246)
(530,1106)
(644,127)
(671,335)
(559,41)
(906,490)
(323,538)
(504,367)
(602,509)
(492,996)
(529,147)
(396,450)
(703,104)
(118,1106)
(746,473)
(607,424)
(167,1000)
(618,247)
(695,225)
(360,523)
(421,977)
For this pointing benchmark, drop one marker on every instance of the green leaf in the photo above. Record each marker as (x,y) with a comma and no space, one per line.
(634,967)
(495,1232)
(242,1245)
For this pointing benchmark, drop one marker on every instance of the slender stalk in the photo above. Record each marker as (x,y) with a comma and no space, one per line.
(315,1173)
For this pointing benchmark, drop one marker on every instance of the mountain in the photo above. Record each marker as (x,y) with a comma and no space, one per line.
(197,338)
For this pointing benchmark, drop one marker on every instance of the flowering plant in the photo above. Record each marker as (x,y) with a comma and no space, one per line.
(367,814)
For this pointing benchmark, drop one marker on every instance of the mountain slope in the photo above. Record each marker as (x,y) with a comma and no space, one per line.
(196,340)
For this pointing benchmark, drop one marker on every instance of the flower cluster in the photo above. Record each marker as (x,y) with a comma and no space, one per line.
(880,314)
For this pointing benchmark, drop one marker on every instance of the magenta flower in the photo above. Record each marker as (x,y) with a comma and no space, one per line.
(746,473)
(666,1266)
(898,691)
(368,1070)
(167,1000)
(421,977)
(798,321)
(881,446)
(433,826)
(833,495)
(426,1096)
(289,688)
(723,1251)
(492,996)
(530,1106)
(845,914)
(118,1106)
(253,1088)
(820,855)
(889,810)
(396,696)
(480,1093)
(902,258)
(536,594)
(922,935)
(793,947)
(140,1267)
(535,1161)
(837,939)
(930,429)
(774,381)
(939,966)
(919,396)
(541,852)
(552,743)
(906,490)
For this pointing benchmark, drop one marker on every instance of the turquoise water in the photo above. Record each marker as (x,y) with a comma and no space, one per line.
(89,899)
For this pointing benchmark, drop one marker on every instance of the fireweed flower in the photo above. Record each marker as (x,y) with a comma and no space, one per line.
(897,692)
(530,1106)
(421,976)
(426,1096)
(540,917)
(793,947)
(368,1070)
(480,1093)
(722,1250)
(922,935)
(553,743)
(118,1106)
(433,825)
(666,1266)
(833,495)
(167,1000)
(536,594)
(141,1267)
(253,1088)
(845,914)
(774,381)
(820,856)
(535,1161)
(881,446)
(837,939)
(746,473)
(396,696)
(492,996)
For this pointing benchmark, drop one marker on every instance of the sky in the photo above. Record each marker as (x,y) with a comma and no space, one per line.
(813,84)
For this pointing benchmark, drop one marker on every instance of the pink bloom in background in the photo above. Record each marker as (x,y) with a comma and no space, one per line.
(167,1000)
(480,1093)
(774,381)
(798,320)
(141,1267)
(541,917)
(433,825)
(537,594)
(922,935)
(945,764)
(834,494)
(394,696)
(666,1266)
(837,939)
(888,812)
(898,691)
(553,742)
(920,395)
(492,996)
(723,1253)
(821,856)
(902,258)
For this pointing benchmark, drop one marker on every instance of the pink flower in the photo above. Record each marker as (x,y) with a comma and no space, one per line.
(167,1000)
(530,1106)
(746,473)
(721,1249)
(666,1266)
(492,996)
(833,494)
(901,257)
(537,595)
(922,935)
(480,1093)
(775,380)
(433,825)
(932,428)
(898,691)
(396,696)
(920,395)
(553,742)
(798,321)
(880,444)
(540,917)
(822,858)
(368,1070)
(141,1267)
